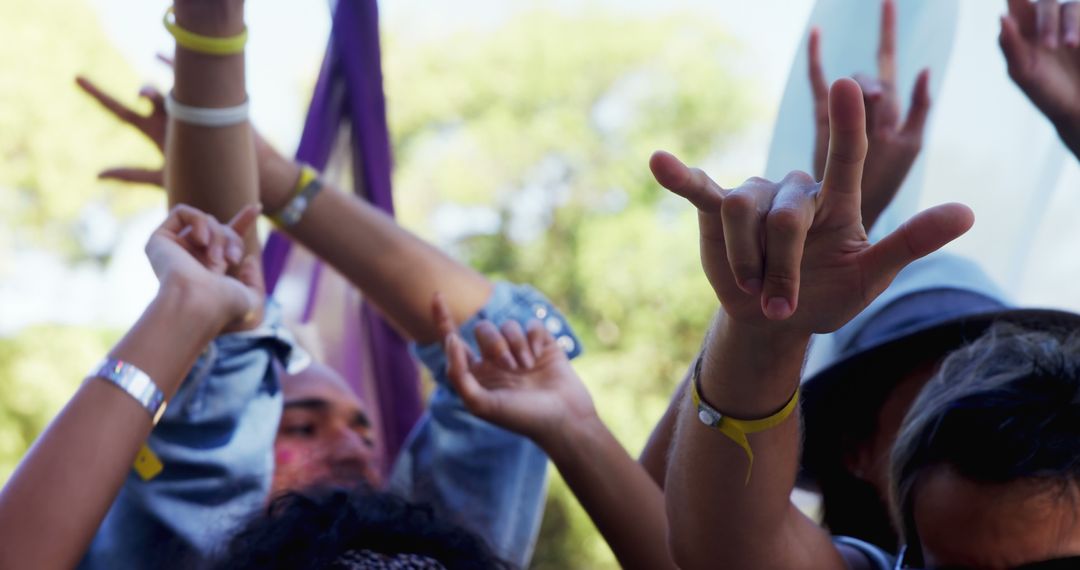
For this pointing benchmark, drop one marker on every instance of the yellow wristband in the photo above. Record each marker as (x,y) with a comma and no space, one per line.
(736,429)
(204,44)
(307,186)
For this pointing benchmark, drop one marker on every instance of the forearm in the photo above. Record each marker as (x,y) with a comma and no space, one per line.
(69,479)
(716,516)
(211,168)
(654,458)
(396,270)
(625,504)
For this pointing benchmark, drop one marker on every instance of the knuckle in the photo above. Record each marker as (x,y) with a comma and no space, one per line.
(739,204)
(798,177)
(745,268)
(784,222)
(780,280)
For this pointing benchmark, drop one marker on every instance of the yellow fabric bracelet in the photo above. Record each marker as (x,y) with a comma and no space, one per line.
(736,429)
(307,186)
(204,44)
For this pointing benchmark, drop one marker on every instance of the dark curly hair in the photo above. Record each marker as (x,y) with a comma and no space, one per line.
(1005,408)
(314,528)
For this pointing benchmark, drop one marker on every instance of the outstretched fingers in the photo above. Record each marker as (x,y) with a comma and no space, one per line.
(476,398)
(786,227)
(118,109)
(151,176)
(493,346)
(886,55)
(690,183)
(819,87)
(842,184)
(922,235)
(1018,50)
(915,123)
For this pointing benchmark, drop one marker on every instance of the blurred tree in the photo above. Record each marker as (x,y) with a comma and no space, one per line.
(39,370)
(53,139)
(551,119)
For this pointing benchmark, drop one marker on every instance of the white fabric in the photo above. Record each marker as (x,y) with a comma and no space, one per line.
(985,146)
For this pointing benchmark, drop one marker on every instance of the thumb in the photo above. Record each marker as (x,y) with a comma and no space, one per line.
(920,236)
(475,397)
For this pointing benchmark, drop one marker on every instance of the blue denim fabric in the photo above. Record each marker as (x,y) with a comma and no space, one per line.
(216,443)
(487,479)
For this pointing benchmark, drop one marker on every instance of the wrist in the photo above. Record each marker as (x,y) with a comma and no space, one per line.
(211,18)
(193,305)
(750,371)
(573,437)
(278,177)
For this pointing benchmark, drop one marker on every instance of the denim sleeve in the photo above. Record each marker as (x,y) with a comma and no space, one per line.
(216,444)
(490,480)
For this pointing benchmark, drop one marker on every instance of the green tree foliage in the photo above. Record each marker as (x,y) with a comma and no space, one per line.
(552,118)
(39,370)
(53,139)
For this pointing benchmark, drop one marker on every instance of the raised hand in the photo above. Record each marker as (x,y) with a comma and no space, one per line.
(1041,43)
(796,251)
(893,146)
(152,126)
(194,251)
(522,380)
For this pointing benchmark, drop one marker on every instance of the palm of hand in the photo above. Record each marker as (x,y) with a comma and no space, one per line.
(537,400)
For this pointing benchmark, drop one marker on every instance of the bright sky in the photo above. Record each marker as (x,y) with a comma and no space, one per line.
(287,42)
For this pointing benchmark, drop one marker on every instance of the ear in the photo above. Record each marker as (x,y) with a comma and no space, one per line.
(860,459)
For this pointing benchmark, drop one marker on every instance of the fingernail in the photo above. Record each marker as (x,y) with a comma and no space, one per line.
(527,361)
(235,254)
(448,342)
(508,361)
(777,308)
(216,254)
(752,286)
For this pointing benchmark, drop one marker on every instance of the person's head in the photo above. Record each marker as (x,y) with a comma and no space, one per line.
(325,436)
(339,528)
(986,467)
(854,408)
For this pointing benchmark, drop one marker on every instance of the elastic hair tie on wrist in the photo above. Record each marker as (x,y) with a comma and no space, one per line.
(736,429)
(204,44)
(206,117)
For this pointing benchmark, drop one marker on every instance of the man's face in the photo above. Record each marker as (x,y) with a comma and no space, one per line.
(324,437)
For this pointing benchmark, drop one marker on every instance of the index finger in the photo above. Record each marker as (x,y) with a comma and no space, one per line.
(115,107)
(887,43)
(818,85)
(847,144)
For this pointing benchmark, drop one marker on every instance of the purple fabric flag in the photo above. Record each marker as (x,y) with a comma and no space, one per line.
(350,88)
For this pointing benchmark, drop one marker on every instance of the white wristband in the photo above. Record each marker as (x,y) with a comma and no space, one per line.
(206,117)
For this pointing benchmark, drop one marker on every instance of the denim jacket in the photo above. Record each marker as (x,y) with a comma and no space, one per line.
(216,443)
